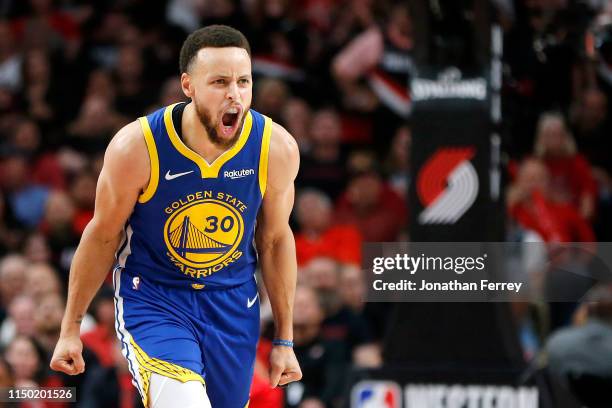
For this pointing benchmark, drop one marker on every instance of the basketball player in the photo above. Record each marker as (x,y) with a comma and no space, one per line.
(176,210)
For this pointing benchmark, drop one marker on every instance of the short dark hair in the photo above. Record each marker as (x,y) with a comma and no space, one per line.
(216,36)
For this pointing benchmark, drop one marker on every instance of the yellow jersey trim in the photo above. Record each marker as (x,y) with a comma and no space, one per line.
(148,365)
(207,170)
(147,194)
(263,156)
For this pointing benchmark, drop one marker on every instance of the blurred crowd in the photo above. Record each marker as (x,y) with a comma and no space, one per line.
(334,73)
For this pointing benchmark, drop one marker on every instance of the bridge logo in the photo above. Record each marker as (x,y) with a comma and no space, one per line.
(203,233)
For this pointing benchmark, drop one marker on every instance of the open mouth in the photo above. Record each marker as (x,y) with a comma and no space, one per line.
(229,121)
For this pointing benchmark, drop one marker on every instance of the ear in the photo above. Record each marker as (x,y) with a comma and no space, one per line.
(186,85)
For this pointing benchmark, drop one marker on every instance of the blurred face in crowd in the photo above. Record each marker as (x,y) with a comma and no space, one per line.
(221,8)
(105,312)
(364,191)
(271,96)
(101,85)
(594,107)
(83,191)
(49,313)
(12,277)
(296,117)
(37,249)
(552,139)
(15,172)
(313,212)
(59,210)
(352,287)
(322,275)
(325,130)
(533,176)
(307,314)
(21,311)
(400,148)
(275,8)
(130,35)
(21,354)
(96,114)
(113,24)
(399,21)
(219,83)
(37,66)
(42,280)
(129,65)
(27,136)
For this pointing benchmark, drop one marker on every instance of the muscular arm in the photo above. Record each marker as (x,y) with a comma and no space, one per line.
(124,175)
(359,56)
(275,243)
(354,62)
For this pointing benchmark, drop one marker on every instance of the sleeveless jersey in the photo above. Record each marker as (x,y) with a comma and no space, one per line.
(390,79)
(193,226)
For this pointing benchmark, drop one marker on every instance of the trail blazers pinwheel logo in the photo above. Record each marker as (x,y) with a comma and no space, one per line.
(447,185)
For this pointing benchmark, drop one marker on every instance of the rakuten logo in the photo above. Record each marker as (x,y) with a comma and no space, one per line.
(235,174)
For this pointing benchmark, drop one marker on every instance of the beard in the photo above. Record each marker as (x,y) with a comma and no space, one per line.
(211,128)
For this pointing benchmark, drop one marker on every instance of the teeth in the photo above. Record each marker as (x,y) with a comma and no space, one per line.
(232,110)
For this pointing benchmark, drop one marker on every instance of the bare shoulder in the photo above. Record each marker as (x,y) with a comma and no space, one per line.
(128,140)
(284,157)
(283,147)
(126,156)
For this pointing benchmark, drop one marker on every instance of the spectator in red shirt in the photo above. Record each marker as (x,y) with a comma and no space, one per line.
(318,237)
(44,165)
(531,203)
(370,204)
(46,27)
(570,176)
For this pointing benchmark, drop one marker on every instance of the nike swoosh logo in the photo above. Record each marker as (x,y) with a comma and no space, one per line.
(250,302)
(173,176)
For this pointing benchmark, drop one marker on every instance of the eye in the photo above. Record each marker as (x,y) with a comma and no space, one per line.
(219,81)
(244,81)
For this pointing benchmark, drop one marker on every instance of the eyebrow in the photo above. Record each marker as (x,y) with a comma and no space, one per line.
(229,76)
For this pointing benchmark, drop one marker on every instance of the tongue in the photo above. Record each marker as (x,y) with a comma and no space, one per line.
(229,119)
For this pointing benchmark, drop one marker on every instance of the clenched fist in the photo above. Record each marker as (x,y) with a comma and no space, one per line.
(68,356)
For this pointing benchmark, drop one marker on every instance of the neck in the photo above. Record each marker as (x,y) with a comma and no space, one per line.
(196,137)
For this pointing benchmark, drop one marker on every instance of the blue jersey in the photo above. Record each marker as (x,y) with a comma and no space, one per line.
(193,226)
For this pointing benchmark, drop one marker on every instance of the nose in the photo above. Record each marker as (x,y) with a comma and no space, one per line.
(232,91)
